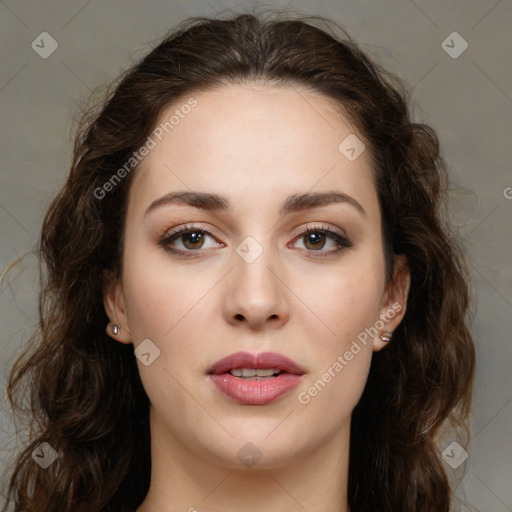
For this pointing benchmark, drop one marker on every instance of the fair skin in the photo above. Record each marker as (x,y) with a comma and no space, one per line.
(255,146)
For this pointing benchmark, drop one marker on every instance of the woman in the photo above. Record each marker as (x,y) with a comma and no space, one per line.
(253,299)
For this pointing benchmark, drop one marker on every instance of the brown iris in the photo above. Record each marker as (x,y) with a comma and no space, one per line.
(317,240)
(193,240)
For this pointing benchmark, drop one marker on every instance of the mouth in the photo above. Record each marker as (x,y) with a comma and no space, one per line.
(246,365)
(255,379)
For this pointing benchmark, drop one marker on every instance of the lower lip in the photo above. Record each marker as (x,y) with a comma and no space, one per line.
(255,392)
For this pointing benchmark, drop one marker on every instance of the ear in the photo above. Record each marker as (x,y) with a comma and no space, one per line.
(113,301)
(394,300)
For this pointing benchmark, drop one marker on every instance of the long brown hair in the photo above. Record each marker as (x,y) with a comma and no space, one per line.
(84,394)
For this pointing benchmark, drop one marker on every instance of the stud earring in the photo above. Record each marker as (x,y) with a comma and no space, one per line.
(115,329)
(386,336)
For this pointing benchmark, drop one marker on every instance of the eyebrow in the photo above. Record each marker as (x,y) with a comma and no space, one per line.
(293,203)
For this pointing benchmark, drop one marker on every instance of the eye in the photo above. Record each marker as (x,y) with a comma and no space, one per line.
(187,239)
(315,239)
(190,239)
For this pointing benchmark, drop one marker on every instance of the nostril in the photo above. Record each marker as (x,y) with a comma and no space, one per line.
(239,316)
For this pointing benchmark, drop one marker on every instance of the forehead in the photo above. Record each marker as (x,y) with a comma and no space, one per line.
(238,140)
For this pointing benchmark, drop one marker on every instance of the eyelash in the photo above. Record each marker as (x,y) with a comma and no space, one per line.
(343,241)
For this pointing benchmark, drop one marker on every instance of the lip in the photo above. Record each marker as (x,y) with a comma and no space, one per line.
(255,392)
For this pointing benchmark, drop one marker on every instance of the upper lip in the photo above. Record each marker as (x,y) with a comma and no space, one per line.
(263,360)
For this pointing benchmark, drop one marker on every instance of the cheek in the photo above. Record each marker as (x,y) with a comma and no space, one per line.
(159,306)
(347,305)
(166,306)
(331,395)
(344,304)
(158,295)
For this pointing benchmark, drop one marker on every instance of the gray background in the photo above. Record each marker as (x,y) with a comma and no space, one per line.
(468,100)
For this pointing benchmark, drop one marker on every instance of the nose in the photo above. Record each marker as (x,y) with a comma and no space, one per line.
(256,294)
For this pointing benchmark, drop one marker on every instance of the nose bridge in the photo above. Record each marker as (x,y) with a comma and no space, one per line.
(253,261)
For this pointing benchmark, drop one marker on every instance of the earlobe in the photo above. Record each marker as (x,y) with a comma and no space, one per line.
(113,302)
(394,303)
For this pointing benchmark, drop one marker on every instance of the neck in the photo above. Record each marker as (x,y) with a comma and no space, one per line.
(183,480)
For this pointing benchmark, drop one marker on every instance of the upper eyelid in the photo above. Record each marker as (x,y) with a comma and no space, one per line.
(188,228)
(321,227)
(304,229)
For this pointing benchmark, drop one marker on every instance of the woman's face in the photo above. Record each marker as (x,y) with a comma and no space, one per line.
(246,278)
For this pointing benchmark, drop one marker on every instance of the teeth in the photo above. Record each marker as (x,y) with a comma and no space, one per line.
(266,373)
(250,373)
